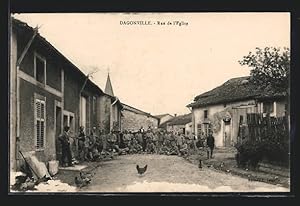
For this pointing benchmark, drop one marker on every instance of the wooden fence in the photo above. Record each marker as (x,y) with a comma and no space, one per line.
(257,126)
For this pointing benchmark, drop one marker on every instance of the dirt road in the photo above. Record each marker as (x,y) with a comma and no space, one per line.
(168,174)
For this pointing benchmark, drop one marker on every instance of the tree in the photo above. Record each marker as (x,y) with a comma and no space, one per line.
(269,67)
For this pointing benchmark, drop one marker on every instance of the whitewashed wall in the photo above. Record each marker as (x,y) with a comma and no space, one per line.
(244,106)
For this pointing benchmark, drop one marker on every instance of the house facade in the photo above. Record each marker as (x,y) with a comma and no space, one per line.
(224,108)
(48,92)
(133,119)
(180,124)
(163,118)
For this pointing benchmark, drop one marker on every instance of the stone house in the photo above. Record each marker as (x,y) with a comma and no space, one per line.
(48,92)
(163,118)
(133,119)
(180,124)
(223,108)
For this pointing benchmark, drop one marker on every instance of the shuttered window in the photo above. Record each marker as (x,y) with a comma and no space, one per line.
(40,123)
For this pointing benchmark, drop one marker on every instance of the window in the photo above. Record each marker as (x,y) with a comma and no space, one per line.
(206,129)
(199,130)
(268,107)
(205,114)
(40,123)
(40,68)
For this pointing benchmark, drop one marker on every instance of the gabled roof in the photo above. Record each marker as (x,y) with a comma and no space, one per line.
(24,27)
(178,120)
(162,115)
(236,89)
(137,111)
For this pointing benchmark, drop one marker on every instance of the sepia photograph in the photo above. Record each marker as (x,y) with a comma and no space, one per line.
(154,102)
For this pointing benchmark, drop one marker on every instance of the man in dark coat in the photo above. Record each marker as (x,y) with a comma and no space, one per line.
(210,143)
(65,144)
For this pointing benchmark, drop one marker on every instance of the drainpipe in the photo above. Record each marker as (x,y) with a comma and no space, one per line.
(87,77)
(27,46)
(85,81)
(80,111)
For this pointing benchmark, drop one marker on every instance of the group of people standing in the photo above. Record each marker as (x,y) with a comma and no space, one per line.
(94,146)
(99,145)
(89,147)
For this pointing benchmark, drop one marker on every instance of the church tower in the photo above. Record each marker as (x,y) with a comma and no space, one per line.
(108,87)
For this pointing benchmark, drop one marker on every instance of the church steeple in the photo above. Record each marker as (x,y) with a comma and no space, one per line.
(108,87)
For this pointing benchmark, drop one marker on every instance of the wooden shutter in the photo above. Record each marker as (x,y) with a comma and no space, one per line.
(40,123)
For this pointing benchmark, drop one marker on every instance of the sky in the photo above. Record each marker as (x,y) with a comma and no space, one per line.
(161,68)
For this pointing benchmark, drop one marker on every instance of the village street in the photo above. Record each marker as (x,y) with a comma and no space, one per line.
(66,123)
(167,174)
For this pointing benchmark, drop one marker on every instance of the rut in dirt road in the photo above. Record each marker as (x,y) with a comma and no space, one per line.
(167,174)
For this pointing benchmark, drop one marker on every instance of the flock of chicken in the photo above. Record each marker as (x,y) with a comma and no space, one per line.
(85,178)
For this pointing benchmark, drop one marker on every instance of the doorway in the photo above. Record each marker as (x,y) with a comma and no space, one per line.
(227,134)
(66,121)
